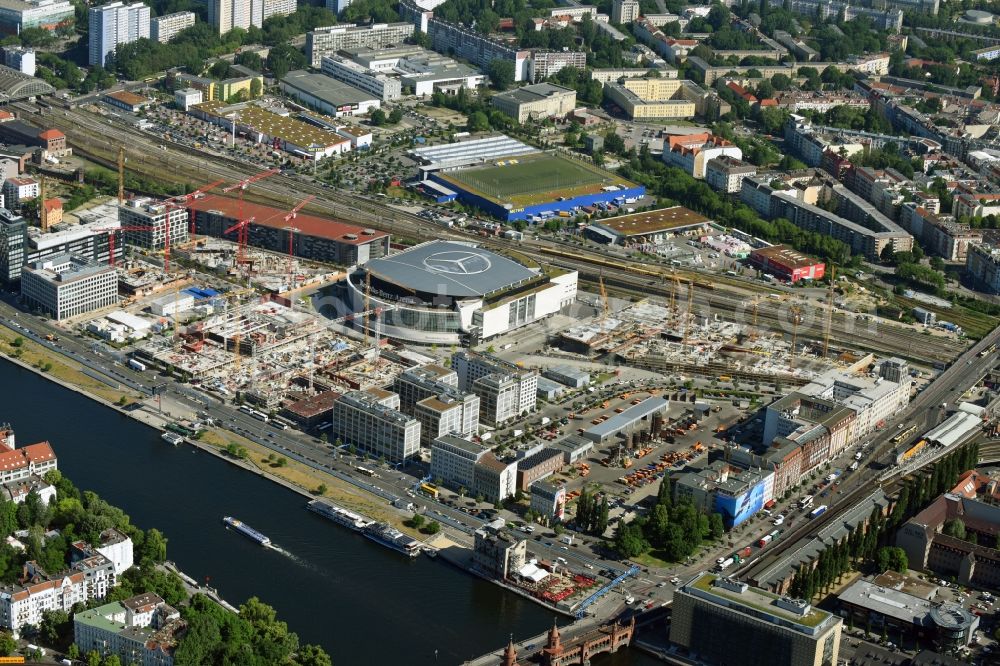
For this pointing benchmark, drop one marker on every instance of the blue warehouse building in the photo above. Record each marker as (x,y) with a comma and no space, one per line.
(734,492)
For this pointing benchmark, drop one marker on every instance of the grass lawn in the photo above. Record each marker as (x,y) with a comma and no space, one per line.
(62,368)
(309,479)
(534,179)
(653,560)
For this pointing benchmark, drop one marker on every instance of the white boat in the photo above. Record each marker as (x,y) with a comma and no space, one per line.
(172,438)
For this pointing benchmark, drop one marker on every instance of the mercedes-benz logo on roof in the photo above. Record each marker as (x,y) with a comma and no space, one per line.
(457,263)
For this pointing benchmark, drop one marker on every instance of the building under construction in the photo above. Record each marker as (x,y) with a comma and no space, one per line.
(305,236)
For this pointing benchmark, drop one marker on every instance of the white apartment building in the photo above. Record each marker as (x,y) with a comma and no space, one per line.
(159,220)
(20,58)
(625,11)
(185,98)
(164,28)
(22,605)
(18,190)
(27,461)
(873,398)
(453,460)
(329,40)
(278,8)
(127,629)
(451,412)
(382,86)
(114,24)
(693,152)
(471,366)
(118,548)
(494,479)
(68,285)
(983,264)
(498,398)
(726,174)
(224,15)
(372,422)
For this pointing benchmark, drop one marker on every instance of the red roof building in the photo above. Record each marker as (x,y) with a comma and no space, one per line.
(23,462)
(315,238)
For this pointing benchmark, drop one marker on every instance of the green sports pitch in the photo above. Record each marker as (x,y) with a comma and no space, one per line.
(531,179)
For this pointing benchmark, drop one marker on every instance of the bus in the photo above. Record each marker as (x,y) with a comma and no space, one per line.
(326,425)
(281,424)
(260,416)
(818,511)
(366,471)
(430,489)
(806,502)
(246,409)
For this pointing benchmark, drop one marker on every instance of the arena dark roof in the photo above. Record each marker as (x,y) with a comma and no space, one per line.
(450,269)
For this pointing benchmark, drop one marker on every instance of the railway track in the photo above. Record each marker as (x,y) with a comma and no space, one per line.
(97,138)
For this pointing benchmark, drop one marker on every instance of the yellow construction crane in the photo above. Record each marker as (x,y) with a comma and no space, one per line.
(604,299)
(828,324)
(121,174)
(687,314)
(796,313)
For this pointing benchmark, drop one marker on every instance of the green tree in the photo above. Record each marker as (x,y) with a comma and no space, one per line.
(378,118)
(501,73)
(433,527)
(7,644)
(395,116)
(478,122)
(154,547)
(93,658)
(416,520)
(256,88)
(891,558)
(954,528)
(112,660)
(312,655)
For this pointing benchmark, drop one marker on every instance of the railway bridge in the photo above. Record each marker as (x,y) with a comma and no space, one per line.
(578,649)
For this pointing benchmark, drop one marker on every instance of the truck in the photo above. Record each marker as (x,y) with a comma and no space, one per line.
(725,564)
(136,365)
(764,540)
(818,511)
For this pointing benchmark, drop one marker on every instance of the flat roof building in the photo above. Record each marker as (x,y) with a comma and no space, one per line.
(538,464)
(330,39)
(653,226)
(164,28)
(454,458)
(535,102)
(635,418)
(152,221)
(16,16)
(328,95)
(67,285)
(374,424)
(318,239)
(649,98)
(769,630)
(143,629)
(787,263)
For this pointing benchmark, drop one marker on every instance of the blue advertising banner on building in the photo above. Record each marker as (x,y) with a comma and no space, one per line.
(736,509)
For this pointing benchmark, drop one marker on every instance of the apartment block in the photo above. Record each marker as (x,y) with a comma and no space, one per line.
(20,58)
(141,630)
(164,28)
(372,422)
(642,98)
(329,40)
(691,152)
(224,15)
(983,264)
(13,234)
(726,173)
(466,43)
(279,8)
(625,11)
(113,24)
(152,222)
(18,190)
(471,366)
(548,63)
(68,285)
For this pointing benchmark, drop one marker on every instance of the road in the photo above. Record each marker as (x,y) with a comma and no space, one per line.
(96,136)
(922,411)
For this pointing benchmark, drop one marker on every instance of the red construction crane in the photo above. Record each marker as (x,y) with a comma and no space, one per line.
(242,229)
(182,200)
(111,231)
(246,182)
(292,214)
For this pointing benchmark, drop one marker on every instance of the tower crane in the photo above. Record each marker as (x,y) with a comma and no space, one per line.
(242,229)
(828,323)
(292,214)
(247,182)
(182,200)
(111,231)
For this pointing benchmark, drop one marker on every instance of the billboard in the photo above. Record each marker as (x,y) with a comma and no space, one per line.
(736,509)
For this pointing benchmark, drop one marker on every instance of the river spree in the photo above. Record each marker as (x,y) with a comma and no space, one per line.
(361,602)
